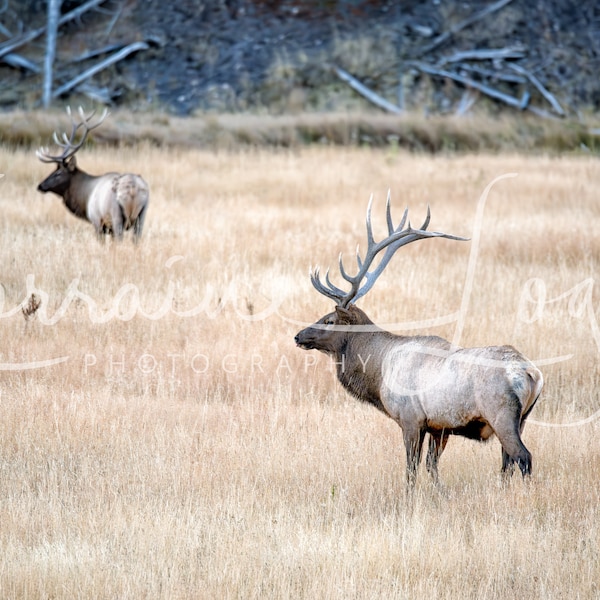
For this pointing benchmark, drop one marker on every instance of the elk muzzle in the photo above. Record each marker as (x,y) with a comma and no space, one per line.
(304,339)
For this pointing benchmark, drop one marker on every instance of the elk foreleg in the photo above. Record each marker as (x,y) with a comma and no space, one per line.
(413,443)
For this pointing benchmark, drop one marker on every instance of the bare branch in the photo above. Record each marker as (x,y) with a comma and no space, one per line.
(467,101)
(485,54)
(366,92)
(440,39)
(51,35)
(492,74)
(100,95)
(123,53)
(98,51)
(538,85)
(21,40)
(521,103)
(20,62)
(540,112)
(114,19)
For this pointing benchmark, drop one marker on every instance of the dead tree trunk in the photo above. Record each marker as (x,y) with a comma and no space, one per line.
(51,34)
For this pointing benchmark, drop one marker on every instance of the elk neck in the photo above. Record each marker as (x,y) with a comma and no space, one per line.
(77,195)
(359,364)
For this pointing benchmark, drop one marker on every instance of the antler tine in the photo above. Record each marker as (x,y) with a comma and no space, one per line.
(401,237)
(388,213)
(403,220)
(370,238)
(359,261)
(67,143)
(343,271)
(397,237)
(332,291)
(388,216)
(42,154)
(427,219)
(82,114)
(336,290)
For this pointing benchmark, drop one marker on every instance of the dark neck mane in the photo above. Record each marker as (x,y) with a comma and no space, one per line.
(358,366)
(78,205)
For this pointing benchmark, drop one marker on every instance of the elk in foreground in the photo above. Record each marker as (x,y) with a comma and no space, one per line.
(424,383)
(112,202)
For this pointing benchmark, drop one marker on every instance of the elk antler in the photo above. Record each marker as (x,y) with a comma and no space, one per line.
(68,143)
(397,237)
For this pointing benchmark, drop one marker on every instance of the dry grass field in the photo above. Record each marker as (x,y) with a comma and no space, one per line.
(162,437)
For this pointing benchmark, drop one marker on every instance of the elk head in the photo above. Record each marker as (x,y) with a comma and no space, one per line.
(66,164)
(329,333)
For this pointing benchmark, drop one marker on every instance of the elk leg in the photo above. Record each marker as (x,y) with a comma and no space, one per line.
(437,443)
(508,431)
(513,452)
(100,232)
(139,224)
(413,442)
(116,226)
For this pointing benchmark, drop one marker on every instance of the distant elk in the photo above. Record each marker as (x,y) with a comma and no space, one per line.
(424,383)
(112,203)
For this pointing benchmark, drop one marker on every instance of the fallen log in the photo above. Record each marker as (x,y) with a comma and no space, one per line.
(364,91)
(520,103)
(20,62)
(484,54)
(440,39)
(111,60)
(25,38)
(541,89)
(492,74)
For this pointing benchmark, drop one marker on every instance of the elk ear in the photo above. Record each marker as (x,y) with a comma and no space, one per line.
(72,164)
(358,316)
(344,315)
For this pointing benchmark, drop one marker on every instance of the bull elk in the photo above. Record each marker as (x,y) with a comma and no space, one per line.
(112,203)
(424,383)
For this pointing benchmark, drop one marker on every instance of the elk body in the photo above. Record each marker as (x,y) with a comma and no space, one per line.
(422,382)
(112,203)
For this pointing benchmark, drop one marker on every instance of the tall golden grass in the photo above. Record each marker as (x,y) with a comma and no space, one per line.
(178,445)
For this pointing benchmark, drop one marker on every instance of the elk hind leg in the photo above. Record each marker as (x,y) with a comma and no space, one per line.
(508,430)
(139,224)
(437,443)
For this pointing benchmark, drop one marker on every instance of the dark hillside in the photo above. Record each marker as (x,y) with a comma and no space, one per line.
(285,56)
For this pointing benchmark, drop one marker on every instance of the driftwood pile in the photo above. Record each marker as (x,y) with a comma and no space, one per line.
(223,56)
(479,71)
(115,52)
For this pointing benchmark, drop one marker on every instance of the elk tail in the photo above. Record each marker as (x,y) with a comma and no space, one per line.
(537,380)
(125,194)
